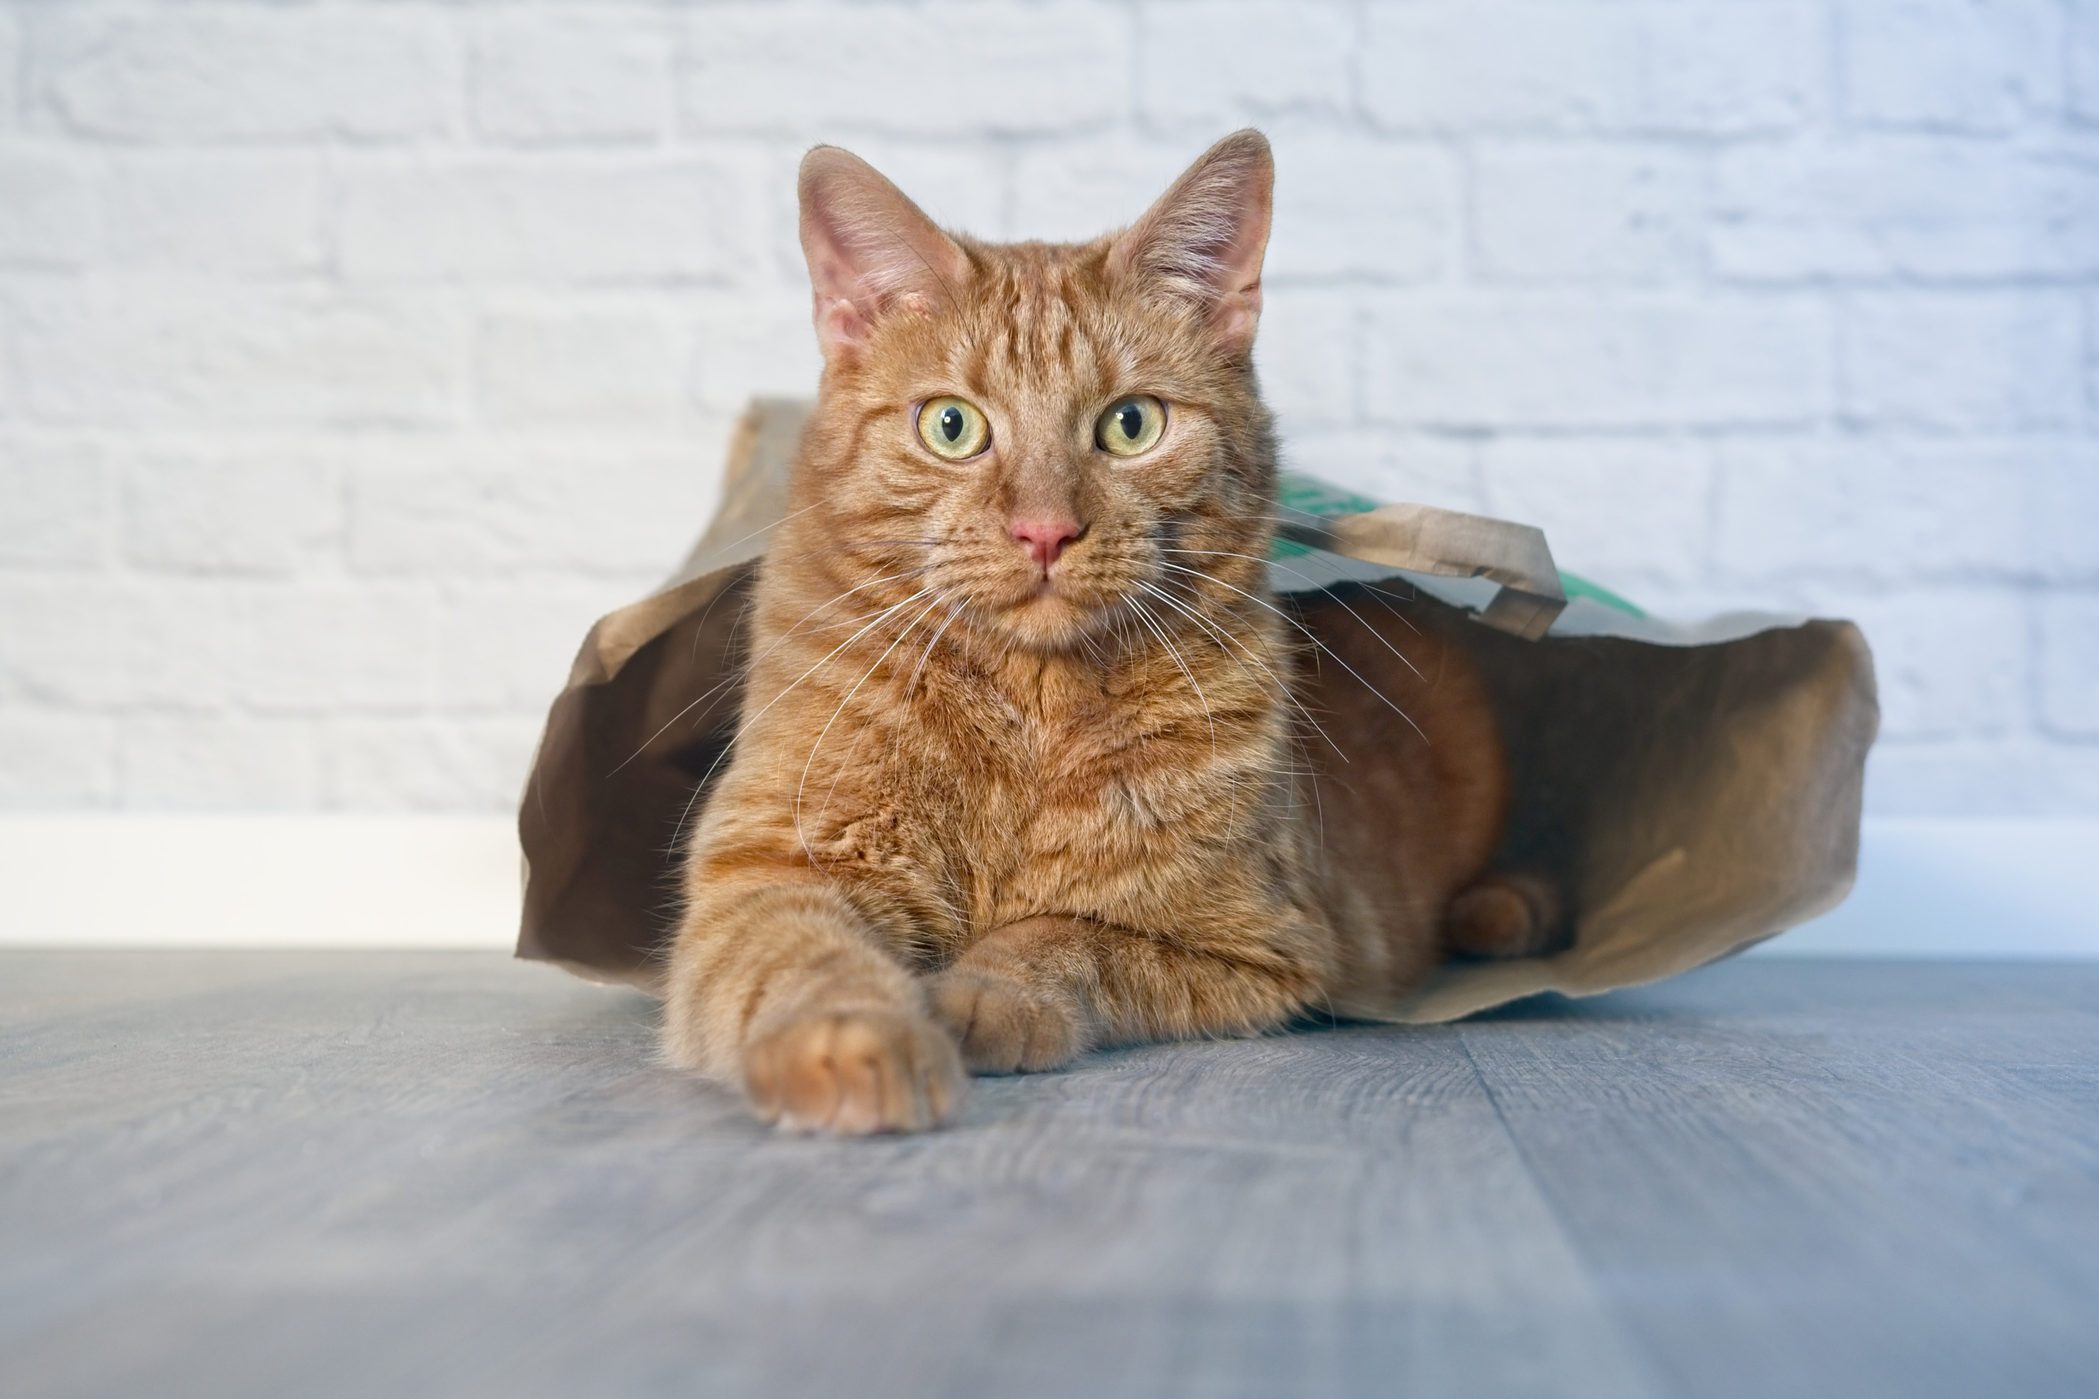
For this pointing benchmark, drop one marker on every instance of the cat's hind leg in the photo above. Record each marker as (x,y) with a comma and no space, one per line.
(1506,916)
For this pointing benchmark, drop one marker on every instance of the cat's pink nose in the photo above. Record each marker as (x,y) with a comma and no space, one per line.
(1044,539)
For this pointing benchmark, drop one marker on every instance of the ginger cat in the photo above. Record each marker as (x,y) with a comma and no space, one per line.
(1030,761)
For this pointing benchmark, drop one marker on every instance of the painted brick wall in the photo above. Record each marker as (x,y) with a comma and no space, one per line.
(354,355)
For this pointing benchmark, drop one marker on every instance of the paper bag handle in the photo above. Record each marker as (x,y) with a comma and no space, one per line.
(1452,544)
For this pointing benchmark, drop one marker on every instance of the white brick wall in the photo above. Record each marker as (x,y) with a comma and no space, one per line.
(355,354)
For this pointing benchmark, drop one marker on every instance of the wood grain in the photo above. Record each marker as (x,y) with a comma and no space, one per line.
(440,1173)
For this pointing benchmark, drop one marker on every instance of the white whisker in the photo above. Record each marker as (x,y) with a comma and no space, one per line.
(1225,638)
(824,733)
(1152,624)
(1382,696)
(745,726)
(1327,591)
(731,678)
(797,514)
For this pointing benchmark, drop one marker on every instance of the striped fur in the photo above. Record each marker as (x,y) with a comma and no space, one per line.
(972,823)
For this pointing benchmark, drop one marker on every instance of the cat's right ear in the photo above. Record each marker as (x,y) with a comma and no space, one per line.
(871,251)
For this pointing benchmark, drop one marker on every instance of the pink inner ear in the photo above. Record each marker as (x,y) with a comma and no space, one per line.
(871,251)
(1236,318)
(1205,237)
(839,324)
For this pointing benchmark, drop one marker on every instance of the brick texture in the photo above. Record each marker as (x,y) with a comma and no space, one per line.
(10,72)
(2084,59)
(597,78)
(242,74)
(1949,65)
(2069,666)
(353,357)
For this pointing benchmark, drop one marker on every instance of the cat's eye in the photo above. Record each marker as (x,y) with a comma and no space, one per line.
(1131,426)
(953,428)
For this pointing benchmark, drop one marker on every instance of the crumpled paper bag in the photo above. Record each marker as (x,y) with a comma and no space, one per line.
(1694,790)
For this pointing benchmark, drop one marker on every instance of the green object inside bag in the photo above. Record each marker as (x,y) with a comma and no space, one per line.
(1308,495)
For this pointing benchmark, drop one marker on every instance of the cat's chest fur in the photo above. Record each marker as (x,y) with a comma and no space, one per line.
(1042,791)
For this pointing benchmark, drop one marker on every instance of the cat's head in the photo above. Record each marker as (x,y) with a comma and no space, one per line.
(1039,436)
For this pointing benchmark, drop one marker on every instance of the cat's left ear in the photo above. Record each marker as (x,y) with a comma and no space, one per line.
(870,250)
(1205,238)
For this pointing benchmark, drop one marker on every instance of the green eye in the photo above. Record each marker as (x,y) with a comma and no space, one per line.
(953,427)
(1131,426)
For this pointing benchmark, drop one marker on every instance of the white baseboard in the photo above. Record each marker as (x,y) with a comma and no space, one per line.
(258,881)
(1927,887)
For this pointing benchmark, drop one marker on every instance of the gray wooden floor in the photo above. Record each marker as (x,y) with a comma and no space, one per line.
(324,1174)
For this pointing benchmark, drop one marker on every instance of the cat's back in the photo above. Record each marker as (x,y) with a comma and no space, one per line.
(1411,772)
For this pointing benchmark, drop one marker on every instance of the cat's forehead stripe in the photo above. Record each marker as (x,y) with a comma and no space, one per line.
(1035,302)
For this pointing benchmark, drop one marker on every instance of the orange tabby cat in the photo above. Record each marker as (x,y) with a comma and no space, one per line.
(1030,761)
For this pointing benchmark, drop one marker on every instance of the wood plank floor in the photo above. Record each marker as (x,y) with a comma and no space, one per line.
(317,1174)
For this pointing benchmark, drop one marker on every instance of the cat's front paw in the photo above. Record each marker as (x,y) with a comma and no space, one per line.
(1004,1025)
(854,1073)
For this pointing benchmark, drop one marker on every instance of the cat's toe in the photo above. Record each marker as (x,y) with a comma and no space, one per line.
(1003,1025)
(855,1073)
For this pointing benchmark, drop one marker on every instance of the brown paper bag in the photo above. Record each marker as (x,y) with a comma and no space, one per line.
(1694,790)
